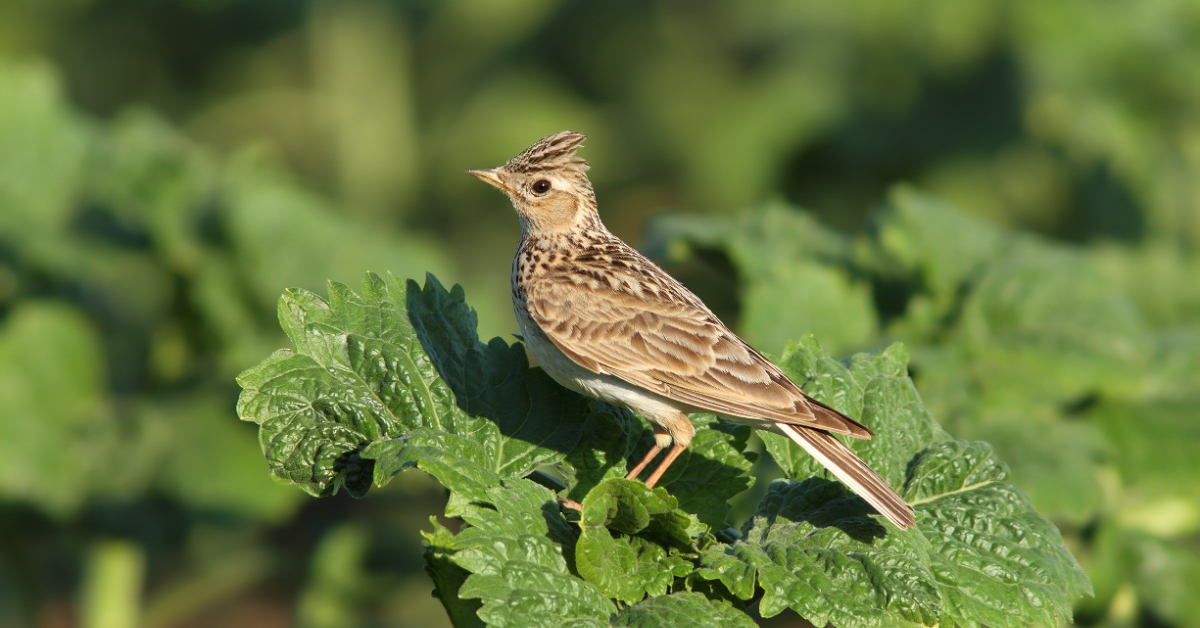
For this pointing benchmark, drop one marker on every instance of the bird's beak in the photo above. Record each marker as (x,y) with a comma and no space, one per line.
(490,176)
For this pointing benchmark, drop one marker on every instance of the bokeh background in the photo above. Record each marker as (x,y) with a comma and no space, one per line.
(1011,187)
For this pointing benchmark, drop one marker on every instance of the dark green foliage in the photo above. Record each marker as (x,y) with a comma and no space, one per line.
(361,374)
(1035,347)
(168,168)
(396,377)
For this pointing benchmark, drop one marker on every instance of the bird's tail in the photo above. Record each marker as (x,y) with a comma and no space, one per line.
(849,468)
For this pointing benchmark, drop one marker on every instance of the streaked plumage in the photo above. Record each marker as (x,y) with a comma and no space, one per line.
(603,320)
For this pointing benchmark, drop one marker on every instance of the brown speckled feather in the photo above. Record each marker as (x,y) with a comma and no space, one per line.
(635,322)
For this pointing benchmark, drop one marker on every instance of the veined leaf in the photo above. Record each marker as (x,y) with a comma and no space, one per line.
(394,359)
(682,610)
(623,566)
(980,554)
(515,547)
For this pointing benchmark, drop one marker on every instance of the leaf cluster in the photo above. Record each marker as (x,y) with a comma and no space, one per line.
(1078,364)
(394,377)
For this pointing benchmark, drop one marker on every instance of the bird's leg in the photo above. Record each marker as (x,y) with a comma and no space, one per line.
(661,440)
(676,449)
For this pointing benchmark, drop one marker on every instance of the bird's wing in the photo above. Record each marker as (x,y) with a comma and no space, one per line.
(659,336)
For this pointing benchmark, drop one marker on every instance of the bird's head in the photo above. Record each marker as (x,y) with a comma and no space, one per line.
(547,184)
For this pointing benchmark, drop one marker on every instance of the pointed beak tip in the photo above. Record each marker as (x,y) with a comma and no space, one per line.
(487,175)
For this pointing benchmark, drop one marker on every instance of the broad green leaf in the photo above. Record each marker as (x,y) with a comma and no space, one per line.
(387,362)
(980,554)
(1056,463)
(151,177)
(623,566)
(946,247)
(816,552)
(820,299)
(997,561)
(625,506)
(523,581)
(682,610)
(460,472)
(56,427)
(43,155)
(1171,298)
(610,437)
(736,566)
(516,551)
(703,478)
(513,553)
(1036,322)
(448,577)
(313,421)
(1153,446)
(1058,336)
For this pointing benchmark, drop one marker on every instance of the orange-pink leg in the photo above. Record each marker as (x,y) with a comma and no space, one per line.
(633,473)
(661,440)
(676,449)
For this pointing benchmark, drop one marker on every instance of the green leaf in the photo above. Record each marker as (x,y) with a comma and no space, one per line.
(946,247)
(626,567)
(313,421)
(1154,450)
(57,429)
(998,562)
(515,550)
(682,610)
(703,478)
(152,177)
(1056,463)
(429,450)
(1034,335)
(625,505)
(816,552)
(513,553)
(385,363)
(448,578)
(736,566)
(523,581)
(980,554)
(43,156)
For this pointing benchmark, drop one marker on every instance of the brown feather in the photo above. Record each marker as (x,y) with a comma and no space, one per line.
(710,368)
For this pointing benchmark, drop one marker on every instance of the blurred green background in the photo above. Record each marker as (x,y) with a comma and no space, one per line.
(1010,187)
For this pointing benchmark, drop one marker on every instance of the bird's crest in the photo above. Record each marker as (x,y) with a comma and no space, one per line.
(553,152)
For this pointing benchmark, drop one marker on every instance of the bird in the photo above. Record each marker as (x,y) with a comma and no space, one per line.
(603,320)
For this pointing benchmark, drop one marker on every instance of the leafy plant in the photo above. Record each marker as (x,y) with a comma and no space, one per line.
(395,377)
(1079,364)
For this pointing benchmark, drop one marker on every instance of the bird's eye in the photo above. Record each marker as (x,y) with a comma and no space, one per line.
(541,186)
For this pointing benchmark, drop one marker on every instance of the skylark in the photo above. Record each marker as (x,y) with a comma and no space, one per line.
(606,322)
